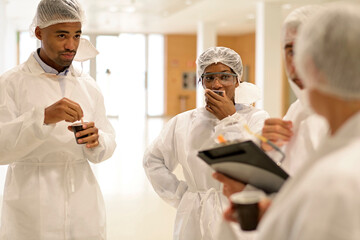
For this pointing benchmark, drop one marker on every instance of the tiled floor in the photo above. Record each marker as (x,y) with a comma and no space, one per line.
(134,211)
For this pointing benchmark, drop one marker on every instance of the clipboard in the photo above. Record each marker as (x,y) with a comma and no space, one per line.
(246,162)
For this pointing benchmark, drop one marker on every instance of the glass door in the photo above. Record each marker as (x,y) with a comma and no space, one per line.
(130,73)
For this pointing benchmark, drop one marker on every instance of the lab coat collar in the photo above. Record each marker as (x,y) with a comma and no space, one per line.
(72,77)
(48,68)
(35,68)
(350,129)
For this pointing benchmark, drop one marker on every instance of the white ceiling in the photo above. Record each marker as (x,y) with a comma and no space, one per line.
(159,16)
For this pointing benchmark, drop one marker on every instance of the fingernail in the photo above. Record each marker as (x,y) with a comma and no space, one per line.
(80,141)
(78,134)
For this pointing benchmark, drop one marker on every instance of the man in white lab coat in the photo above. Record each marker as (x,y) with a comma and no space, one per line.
(198,199)
(296,132)
(50,190)
(322,201)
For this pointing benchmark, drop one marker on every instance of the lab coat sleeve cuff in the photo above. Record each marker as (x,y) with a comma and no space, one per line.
(101,152)
(95,155)
(42,130)
(180,191)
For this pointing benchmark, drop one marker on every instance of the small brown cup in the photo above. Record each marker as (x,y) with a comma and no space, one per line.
(247,208)
(78,127)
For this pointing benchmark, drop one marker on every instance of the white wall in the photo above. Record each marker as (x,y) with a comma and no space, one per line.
(206,38)
(8,51)
(268,57)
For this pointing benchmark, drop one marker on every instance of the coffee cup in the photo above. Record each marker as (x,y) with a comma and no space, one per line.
(78,127)
(246,205)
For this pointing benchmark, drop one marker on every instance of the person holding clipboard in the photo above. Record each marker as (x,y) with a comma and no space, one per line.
(321,200)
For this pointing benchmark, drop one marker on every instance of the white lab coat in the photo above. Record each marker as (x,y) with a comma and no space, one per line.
(198,199)
(50,190)
(308,131)
(322,201)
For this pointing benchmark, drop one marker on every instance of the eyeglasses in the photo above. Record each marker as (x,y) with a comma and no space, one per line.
(225,79)
(265,140)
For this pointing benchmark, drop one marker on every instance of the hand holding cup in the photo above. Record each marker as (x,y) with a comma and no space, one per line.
(85,133)
(246,205)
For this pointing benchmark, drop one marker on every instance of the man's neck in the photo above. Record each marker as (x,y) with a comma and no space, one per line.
(46,67)
(50,62)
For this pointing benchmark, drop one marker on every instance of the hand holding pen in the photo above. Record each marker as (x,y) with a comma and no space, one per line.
(267,141)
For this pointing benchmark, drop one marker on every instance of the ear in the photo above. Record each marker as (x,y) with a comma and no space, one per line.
(237,83)
(38,33)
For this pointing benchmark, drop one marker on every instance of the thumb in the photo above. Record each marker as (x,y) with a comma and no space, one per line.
(218,176)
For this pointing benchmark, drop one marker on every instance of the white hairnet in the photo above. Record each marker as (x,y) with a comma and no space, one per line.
(294,20)
(50,12)
(222,55)
(329,42)
(245,93)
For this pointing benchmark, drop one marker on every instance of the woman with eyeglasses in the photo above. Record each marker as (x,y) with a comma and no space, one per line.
(199,198)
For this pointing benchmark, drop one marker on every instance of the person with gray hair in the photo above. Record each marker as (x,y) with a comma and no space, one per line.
(198,198)
(322,200)
(51,191)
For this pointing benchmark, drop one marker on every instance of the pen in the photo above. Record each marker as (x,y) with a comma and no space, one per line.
(265,140)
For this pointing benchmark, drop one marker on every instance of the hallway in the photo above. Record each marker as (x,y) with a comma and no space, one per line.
(134,211)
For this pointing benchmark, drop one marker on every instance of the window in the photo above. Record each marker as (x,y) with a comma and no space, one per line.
(155,103)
